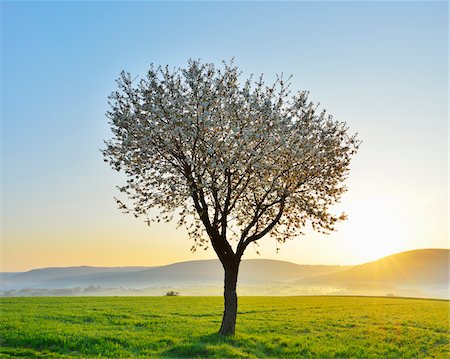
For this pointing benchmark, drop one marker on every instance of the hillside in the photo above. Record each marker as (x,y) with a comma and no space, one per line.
(425,272)
(192,273)
(418,273)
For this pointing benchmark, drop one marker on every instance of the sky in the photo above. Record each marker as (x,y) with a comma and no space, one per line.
(380,66)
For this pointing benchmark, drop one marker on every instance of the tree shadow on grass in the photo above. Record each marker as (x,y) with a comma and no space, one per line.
(217,346)
(203,346)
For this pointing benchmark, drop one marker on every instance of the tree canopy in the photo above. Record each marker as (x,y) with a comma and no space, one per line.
(246,160)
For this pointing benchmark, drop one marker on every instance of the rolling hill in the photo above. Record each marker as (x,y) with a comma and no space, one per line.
(191,273)
(422,272)
(419,273)
(422,266)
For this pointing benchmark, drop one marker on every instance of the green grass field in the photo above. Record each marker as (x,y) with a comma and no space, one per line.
(277,327)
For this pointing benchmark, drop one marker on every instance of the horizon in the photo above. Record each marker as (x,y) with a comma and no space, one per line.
(216,259)
(382,67)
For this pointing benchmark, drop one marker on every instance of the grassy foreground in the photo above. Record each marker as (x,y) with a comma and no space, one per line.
(186,327)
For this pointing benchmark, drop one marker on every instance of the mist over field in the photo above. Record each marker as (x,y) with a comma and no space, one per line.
(420,273)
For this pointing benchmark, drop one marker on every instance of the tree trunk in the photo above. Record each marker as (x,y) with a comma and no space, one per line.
(230,299)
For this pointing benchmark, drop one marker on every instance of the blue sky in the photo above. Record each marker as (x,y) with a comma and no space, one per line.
(382,67)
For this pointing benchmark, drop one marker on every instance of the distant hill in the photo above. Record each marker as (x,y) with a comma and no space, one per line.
(421,271)
(418,273)
(191,273)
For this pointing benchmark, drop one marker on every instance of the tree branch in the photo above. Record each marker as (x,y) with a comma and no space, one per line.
(243,245)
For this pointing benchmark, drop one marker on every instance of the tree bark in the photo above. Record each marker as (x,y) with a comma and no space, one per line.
(230,299)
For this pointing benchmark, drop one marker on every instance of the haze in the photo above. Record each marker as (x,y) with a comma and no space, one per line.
(382,67)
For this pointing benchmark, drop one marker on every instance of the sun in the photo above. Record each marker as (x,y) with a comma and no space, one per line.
(376,227)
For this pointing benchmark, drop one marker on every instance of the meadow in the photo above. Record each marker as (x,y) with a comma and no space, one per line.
(278,327)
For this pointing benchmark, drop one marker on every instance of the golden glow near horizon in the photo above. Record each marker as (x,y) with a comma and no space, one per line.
(380,224)
(377,226)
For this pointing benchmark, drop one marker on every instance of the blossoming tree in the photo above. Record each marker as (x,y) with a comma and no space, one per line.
(231,161)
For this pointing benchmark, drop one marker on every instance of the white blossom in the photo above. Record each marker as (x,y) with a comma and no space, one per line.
(233,160)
